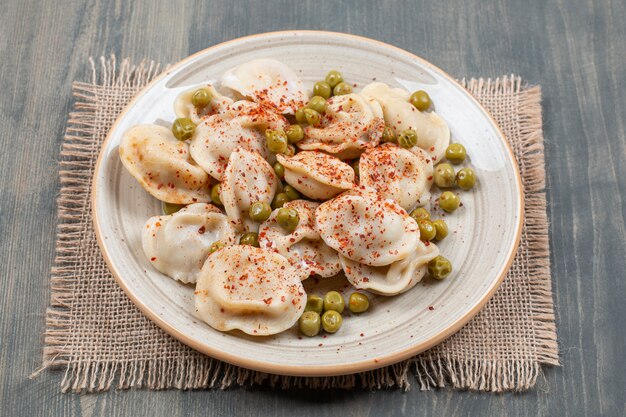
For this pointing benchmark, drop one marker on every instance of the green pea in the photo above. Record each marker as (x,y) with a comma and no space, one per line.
(331,321)
(342,89)
(466,178)
(389,135)
(215,195)
(290,151)
(215,246)
(279,200)
(456,153)
(170,208)
(183,128)
(427,230)
(322,89)
(444,175)
(249,238)
(333,78)
(448,201)
(314,303)
(355,167)
(420,213)
(442,229)
(421,100)
(334,301)
(310,323)
(201,98)
(358,302)
(407,138)
(288,219)
(318,104)
(312,117)
(295,133)
(259,211)
(276,141)
(439,268)
(300,118)
(291,192)
(279,169)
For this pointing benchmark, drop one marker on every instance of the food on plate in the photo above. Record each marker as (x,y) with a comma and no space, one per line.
(263,186)
(178,244)
(317,175)
(248,179)
(163,166)
(254,290)
(298,241)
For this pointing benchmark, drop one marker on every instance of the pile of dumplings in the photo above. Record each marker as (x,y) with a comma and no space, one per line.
(353,218)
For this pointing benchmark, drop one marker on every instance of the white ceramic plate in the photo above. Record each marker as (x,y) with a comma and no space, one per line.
(484,232)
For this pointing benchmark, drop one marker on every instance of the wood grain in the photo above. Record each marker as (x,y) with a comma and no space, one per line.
(574,49)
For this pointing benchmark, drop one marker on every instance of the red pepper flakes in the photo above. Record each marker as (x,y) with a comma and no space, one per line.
(431,308)
(201,230)
(153,259)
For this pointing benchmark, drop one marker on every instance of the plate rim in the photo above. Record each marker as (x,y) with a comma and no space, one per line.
(320,370)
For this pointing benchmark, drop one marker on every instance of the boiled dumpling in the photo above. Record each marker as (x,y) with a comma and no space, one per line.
(400,174)
(177,245)
(242,124)
(398,277)
(433,134)
(184,108)
(162,165)
(248,178)
(317,175)
(366,228)
(267,82)
(304,248)
(351,124)
(254,290)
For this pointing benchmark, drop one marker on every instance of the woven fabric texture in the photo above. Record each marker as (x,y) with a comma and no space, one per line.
(102,340)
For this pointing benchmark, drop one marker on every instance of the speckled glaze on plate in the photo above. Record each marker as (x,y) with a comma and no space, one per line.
(484,233)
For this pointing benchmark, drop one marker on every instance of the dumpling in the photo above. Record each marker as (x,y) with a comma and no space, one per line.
(162,165)
(433,134)
(366,228)
(392,279)
(248,178)
(317,175)
(177,245)
(184,108)
(304,248)
(254,290)
(351,124)
(242,124)
(268,82)
(400,174)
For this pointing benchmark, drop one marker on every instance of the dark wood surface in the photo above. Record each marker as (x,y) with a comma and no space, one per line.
(575,49)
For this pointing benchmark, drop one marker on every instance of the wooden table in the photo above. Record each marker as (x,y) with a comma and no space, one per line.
(575,49)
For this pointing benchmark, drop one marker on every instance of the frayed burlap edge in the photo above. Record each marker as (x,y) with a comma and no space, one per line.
(76,171)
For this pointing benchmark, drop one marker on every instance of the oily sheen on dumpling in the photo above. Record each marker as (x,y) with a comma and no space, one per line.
(396,278)
(351,124)
(400,174)
(248,178)
(254,290)
(317,175)
(304,248)
(183,107)
(178,245)
(433,134)
(366,228)
(162,165)
(268,82)
(243,124)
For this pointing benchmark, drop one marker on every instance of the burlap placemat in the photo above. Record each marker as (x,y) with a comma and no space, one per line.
(101,339)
